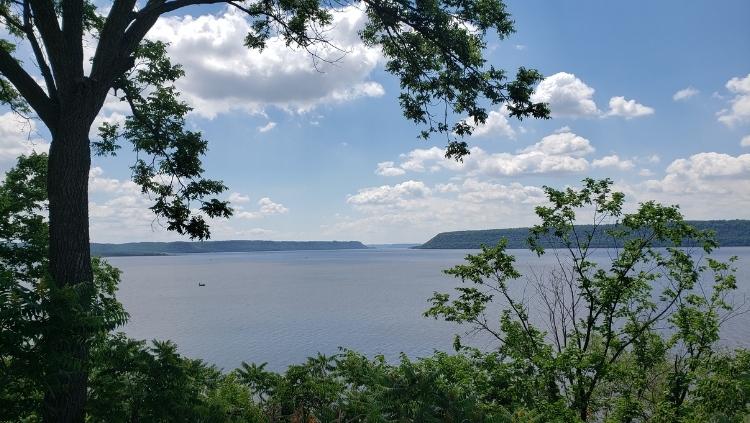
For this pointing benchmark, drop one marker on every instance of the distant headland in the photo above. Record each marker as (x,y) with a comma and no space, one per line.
(236,246)
(729,233)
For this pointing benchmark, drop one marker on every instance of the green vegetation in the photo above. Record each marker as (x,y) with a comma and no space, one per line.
(728,233)
(634,340)
(239,246)
(434,48)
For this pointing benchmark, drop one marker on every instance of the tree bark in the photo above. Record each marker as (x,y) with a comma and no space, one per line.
(70,266)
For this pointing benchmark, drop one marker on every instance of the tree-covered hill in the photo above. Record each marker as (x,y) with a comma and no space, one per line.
(729,233)
(236,246)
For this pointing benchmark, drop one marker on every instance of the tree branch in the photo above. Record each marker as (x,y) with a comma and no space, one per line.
(72,34)
(29,89)
(28,28)
(46,21)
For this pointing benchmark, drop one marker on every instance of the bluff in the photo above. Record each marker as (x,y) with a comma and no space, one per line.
(729,233)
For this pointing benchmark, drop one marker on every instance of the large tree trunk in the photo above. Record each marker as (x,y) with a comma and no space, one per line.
(66,340)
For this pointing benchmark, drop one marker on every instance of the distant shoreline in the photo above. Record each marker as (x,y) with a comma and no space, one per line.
(729,233)
(141,249)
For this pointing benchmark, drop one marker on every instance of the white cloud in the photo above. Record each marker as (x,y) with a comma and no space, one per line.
(266,207)
(236,197)
(227,76)
(619,106)
(745,141)
(709,172)
(685,94)
(556,153)
(645,172)
(567,96)
(613,161)
(562,143)
(389,169)
(417,159)
(18,136)
(703,165)
(496,125)
(706,185)
(389,194)
(739,111)
(520,47)
(408,211)
(478,191)
(267,127)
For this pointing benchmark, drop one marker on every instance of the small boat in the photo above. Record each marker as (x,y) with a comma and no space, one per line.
(201,284)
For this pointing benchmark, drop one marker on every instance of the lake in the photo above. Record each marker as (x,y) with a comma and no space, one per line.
(281,307)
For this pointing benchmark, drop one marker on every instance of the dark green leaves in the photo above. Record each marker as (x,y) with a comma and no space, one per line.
(168,167)
(435,48)
(605,351)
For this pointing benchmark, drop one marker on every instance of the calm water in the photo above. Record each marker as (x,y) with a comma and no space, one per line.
(280,307)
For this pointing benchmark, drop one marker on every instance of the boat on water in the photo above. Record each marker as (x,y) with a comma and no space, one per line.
(201,284)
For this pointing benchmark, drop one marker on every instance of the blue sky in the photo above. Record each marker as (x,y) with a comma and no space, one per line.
(310,155)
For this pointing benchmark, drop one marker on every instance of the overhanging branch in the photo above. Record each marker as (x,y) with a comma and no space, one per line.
(29,89)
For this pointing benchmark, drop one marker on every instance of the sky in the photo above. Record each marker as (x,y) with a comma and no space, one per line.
(654,95)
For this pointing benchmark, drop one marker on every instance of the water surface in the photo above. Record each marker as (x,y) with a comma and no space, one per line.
(281,307)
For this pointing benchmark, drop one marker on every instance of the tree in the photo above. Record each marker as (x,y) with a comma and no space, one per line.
(434,47)
(629,332)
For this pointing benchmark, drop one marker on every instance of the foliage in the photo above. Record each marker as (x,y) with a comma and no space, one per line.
(171,169)
(625,337)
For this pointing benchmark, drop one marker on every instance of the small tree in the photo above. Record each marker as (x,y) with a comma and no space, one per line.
(628,325)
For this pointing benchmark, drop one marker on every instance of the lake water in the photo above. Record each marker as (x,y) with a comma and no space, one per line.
(281,307)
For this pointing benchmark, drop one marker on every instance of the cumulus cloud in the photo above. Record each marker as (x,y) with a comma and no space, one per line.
(236,197)
(685,94)
(613,161)
(704,165)
(619,106)
(266,207)
(569,96)
(478,191)
(745,141)
(566,95)
(496,125)
(560,152)
(418,160)
(562,142)
(706,185)
(709,172)
(739,107)
(227,76)
(389,194)
(389,169)
(18,136)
